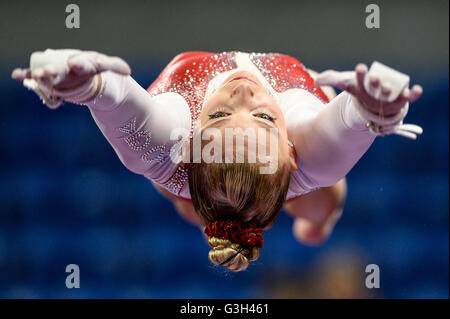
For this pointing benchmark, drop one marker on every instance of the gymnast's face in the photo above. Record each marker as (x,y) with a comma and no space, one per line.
(243,102)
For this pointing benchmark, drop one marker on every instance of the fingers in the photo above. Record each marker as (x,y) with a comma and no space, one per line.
(21,74)
(415,93)
(64,69)
(374,81)
(91,63)
(386,90)
(361,71)
(340,80)
(415,129)
(115,64)
(326,78)
(409,95)
(45,75)
(374,85)
(82,64)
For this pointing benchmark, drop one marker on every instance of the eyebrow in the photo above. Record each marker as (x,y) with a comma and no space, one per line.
(218,121)
(259,120)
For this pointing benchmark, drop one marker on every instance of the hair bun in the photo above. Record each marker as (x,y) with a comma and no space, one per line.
(246,234)
(224,249)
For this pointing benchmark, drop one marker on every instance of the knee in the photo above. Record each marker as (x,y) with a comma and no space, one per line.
(314,234)
(307,233)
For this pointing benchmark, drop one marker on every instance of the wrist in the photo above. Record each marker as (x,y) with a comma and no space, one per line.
(377,123)
(95,89)
(82,93)
(379,117)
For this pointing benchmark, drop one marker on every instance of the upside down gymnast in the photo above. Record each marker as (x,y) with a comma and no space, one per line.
(320,135)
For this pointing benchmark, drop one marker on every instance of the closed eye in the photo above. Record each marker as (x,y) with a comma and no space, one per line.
(218,114)
(266,117)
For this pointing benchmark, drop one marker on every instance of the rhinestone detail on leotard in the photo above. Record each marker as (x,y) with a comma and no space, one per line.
(284,72)
(190,79)
(189,74)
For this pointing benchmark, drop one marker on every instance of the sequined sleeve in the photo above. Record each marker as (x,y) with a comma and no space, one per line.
(139,126)
(328,142)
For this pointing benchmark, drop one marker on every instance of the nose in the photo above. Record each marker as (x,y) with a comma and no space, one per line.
(243,91)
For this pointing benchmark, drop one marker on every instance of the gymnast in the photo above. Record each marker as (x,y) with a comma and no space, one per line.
(318,136)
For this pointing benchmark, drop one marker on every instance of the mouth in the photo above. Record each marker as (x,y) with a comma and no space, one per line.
(242,78)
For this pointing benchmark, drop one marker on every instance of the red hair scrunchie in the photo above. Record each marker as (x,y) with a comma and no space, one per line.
(245,234)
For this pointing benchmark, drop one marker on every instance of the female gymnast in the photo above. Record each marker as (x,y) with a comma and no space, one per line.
(317,136)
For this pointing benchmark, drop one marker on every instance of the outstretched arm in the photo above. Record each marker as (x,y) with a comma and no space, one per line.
(329,144)
(137,125)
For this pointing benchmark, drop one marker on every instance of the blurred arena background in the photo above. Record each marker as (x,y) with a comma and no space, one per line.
(65,198)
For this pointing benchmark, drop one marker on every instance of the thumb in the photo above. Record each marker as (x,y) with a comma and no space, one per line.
(91,63)
(115,64)
(340,80)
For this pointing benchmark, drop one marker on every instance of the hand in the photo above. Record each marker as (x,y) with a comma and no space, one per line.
(353,82)
(67,69)
(67,75)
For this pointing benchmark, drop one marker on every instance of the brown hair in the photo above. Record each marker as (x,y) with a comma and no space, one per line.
(224,191)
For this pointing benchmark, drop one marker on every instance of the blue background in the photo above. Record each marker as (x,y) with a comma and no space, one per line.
(65,198)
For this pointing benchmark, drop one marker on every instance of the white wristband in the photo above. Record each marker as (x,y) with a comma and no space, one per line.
(82,93)
(381,126)
(54,98)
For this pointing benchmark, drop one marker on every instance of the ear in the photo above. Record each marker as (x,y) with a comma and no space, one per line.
(293,158)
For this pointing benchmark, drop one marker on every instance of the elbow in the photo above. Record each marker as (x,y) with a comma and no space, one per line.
(133,164)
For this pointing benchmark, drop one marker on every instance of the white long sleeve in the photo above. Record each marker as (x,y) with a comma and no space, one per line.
(329,138)
(138,126)
(328,142)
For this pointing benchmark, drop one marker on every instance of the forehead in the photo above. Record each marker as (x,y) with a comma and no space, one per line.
(222,98)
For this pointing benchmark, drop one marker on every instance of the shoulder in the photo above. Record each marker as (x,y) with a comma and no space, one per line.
(171,98)
(298,101)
